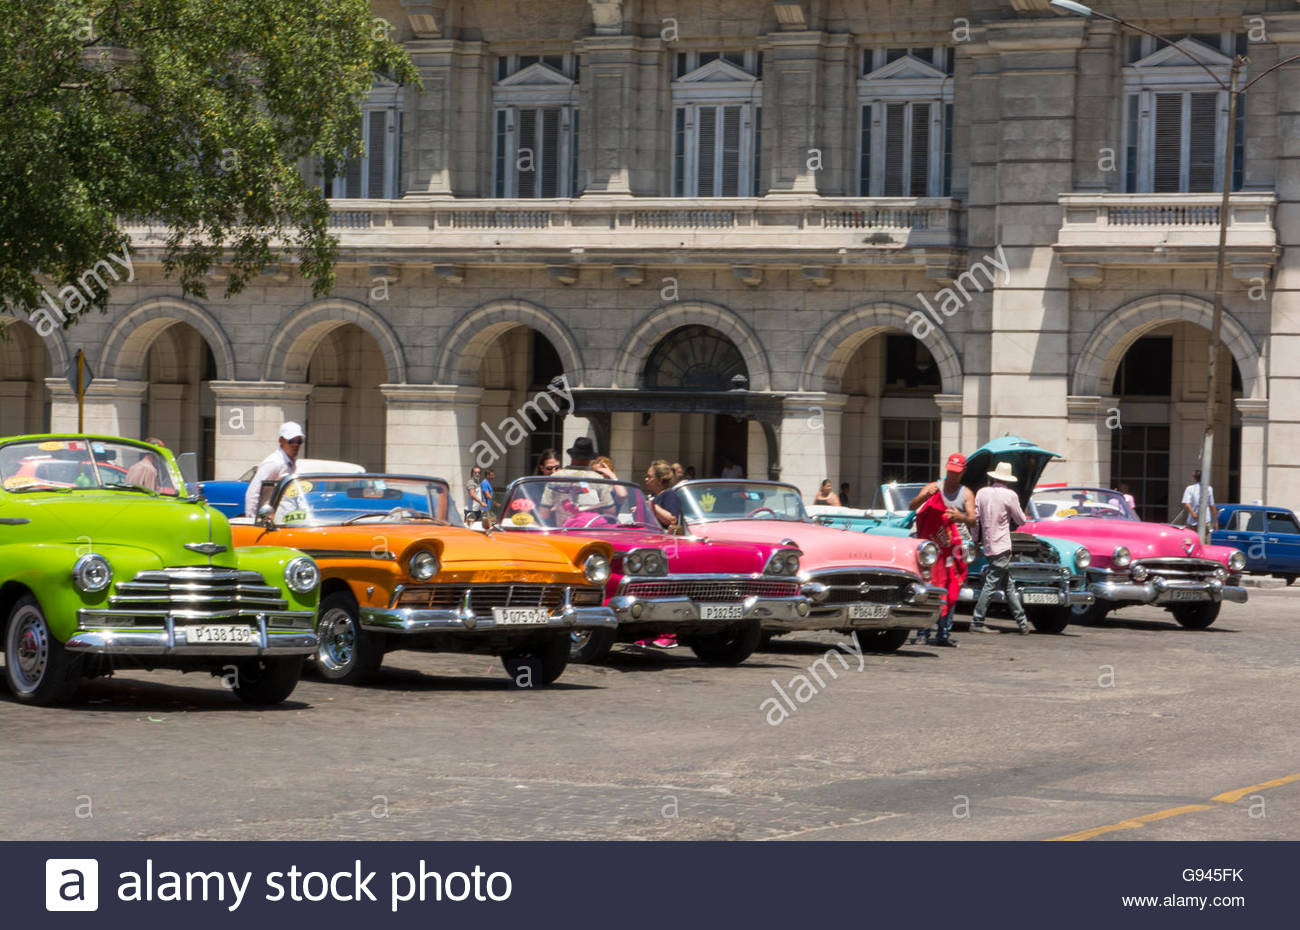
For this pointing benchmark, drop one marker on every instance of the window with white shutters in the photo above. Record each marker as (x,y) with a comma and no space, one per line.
(376,173)
(717,137)
(1176,117)
(905,130)
(535,125)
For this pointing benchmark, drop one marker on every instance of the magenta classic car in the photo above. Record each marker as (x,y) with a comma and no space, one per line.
(712,595)
(873,585)
(1134,562)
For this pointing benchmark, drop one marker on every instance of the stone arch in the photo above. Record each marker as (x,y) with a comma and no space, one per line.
(296,340)
(647,334)
(1095,367)
(127,347)
(469,340)
(56,345)
(831,351)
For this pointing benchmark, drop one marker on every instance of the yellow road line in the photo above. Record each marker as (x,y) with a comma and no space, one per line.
(1227,797)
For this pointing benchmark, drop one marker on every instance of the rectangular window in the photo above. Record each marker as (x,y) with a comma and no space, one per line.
(1175,142)
(758,149)
(909,450)
(907,156)
(536,152)
(679,152)
(864,154)
(376,173)
(947,150)
(1140,460)
(715,150)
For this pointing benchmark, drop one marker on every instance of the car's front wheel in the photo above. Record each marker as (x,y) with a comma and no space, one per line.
(347,654)
(1196,616)
(264,682)
(39,670)
(1051,619)
(590,647)
(1086,616)
(540,663)
(730,647)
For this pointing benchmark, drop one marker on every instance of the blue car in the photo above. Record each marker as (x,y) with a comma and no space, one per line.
(1049,573)
(228,496)
(1269,536)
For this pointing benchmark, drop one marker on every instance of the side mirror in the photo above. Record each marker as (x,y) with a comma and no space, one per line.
(189,465)
(264,515)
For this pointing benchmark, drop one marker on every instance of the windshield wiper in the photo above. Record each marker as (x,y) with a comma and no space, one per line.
(130,487)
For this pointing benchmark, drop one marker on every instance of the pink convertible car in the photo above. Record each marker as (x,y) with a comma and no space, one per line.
(717,597)
(1134,562)
(873,585)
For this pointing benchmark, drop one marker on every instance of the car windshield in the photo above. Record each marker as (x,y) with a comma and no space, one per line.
(337,500)
(568,502)
(80,464)
(896,496)
(707,501)
(1062,503)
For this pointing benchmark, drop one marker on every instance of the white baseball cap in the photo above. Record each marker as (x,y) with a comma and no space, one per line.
(291,430)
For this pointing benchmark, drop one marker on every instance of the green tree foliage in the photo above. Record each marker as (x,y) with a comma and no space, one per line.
(195,114)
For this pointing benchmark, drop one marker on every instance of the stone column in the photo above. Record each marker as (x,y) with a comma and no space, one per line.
(112,407)
(1254,448)
(810,440)
(249,414)
(433,429)
(620,144)
(1088,440)
(950,411)
(444,131)
(792,103)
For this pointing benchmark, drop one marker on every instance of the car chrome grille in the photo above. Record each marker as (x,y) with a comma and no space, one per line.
(1181,569)
(713,590)
(1027,548)
(196,593)
(487,596)
(846,587)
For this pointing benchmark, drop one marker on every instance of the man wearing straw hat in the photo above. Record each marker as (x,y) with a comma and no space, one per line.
(996,506)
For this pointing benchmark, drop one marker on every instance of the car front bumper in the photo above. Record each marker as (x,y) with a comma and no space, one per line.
(971,594)
(667,612)
(918,612)
(413,620)
(1163,592)
(99,636)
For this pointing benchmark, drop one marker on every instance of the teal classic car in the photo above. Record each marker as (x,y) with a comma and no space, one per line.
(1050,574)
(108,563)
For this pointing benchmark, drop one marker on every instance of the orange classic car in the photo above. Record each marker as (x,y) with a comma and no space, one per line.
(396,573)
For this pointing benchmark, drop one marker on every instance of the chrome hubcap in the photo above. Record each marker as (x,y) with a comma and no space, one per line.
(29,645)
(338,640)
(578,641)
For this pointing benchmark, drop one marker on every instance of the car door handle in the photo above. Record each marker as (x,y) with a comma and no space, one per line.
(1272,539)
(13,521)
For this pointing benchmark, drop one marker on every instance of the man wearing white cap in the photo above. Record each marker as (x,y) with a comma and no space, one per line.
(277,465)
(996,505)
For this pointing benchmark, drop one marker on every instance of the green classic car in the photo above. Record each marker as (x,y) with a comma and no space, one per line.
(108,563)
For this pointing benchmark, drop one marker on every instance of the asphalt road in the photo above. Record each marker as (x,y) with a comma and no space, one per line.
(1006,737)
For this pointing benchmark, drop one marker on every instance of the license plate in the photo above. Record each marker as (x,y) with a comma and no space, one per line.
(1177,595)
(511,616)
(722,612)
(1041,597)
(219,634)
(868,611)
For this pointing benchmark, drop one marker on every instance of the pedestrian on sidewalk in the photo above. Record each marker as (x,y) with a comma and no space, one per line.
(997,505)
(474,496)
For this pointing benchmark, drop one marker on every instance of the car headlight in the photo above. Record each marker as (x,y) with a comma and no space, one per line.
(92,573)
(927,554)
(1082,559)
(1121,557)
(301,575)
(782,562)
(424,565)
(1237,561)
(634,563)
(645,562)
(596,568)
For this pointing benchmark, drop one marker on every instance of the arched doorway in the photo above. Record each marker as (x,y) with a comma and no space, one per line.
(1160,384)
(690,362)
(24,366)
(346,410)
(524,402)
(890,430)
(178,406)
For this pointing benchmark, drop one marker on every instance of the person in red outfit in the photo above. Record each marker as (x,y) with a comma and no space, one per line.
(942,508)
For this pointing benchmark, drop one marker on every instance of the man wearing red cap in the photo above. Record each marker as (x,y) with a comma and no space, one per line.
(942,508)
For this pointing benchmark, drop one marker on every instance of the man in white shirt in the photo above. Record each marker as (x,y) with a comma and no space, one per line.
(1192,501)
(997,507)
(279,464)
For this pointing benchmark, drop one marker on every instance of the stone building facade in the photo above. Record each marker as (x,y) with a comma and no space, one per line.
(819,238)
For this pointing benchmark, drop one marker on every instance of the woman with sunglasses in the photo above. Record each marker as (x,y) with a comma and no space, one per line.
(547,463)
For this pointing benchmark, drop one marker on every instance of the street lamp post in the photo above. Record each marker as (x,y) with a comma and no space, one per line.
(1234,91)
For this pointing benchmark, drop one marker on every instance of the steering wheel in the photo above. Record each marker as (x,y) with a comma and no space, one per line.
(757,510)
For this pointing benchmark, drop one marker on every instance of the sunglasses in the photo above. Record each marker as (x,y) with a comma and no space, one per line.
(295,442)
(547,469)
